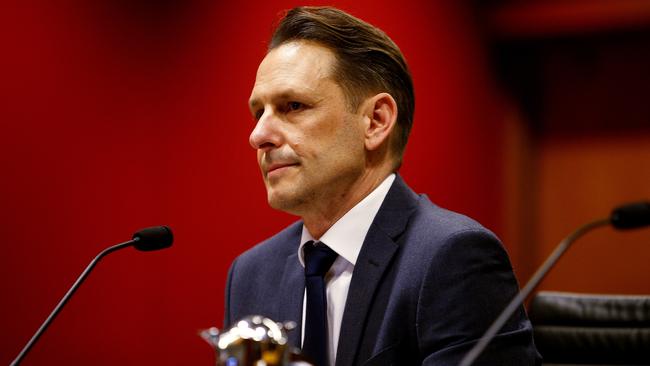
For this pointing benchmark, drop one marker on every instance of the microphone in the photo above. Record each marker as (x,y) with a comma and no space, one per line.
(153,238)
(629,216)
(148,239)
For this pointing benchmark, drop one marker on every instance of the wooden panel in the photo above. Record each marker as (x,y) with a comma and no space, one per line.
(581,180)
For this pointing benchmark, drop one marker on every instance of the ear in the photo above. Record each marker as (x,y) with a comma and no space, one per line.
(381,117)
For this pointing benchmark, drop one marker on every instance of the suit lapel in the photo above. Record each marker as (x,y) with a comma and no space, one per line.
(366,277)
(292,289)
(375,257)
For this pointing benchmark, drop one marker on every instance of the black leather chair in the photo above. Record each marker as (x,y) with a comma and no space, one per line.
(585,329)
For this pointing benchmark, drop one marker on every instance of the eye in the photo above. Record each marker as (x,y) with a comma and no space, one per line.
(294,106)
(258,114)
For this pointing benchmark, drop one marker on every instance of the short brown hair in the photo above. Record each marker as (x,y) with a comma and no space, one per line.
(368,61)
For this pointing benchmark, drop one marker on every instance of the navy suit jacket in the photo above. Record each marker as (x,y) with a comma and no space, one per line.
(427,283)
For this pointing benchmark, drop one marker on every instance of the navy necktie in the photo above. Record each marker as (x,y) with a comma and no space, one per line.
(318,260)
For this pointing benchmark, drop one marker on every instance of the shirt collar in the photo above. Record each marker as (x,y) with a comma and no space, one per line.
(346,236)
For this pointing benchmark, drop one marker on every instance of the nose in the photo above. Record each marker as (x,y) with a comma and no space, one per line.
(266,134)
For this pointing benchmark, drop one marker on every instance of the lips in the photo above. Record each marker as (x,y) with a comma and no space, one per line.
(276,161)
(275,166)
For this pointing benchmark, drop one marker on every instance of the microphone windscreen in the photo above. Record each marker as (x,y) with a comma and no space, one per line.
(630,216)
(153,238)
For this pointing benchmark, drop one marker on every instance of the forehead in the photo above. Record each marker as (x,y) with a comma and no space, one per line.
(298,66)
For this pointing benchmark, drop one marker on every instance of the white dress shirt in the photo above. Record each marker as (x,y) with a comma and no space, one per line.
(345,237)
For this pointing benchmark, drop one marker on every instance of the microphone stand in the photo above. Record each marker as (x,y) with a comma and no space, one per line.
(67,297)
(539,275)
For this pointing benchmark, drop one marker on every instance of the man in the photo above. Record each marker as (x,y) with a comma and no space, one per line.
(405,282)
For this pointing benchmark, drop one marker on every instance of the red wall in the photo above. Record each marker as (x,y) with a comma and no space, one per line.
(117,116)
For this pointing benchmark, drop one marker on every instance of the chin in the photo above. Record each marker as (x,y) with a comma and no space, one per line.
(284,201)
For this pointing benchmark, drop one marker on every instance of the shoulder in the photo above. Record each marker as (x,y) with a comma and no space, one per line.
(443,252)
(403,209)
(466,275)
(440,224)
(423,229)
(439,247)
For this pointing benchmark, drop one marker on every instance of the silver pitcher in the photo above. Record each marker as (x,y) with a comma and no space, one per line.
(254,341)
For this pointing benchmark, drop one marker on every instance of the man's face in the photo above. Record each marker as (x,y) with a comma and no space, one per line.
(310,146)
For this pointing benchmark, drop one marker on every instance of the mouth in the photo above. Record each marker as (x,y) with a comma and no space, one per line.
(276,168)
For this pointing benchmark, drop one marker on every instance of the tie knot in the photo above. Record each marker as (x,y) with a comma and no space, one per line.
(318,259)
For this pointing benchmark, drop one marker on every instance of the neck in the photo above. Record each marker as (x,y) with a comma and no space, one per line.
(320,219)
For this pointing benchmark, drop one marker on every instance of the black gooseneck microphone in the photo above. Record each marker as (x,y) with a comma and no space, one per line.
(630,216)
(151,238)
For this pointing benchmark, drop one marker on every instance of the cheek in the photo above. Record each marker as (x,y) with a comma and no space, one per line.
(300,141)
(326,135)
(345,147)
(350,133)
(298,144)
